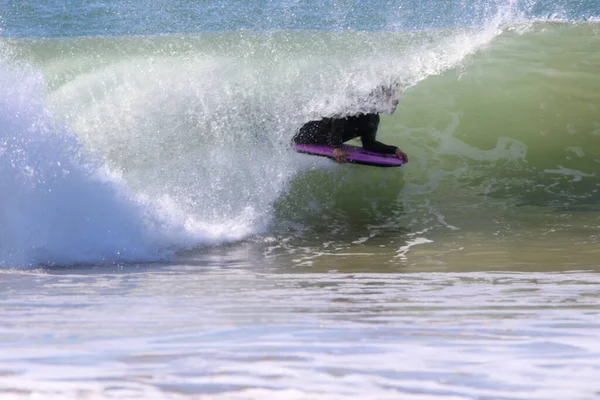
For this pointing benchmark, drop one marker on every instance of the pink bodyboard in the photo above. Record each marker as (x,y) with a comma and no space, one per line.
(356,155)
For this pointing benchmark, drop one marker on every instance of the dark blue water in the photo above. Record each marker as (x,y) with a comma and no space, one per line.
(121,18)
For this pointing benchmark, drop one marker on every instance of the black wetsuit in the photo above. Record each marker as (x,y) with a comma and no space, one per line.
(335,131)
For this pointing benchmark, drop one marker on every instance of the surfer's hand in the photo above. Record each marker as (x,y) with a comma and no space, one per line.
(340,155)
(402,155)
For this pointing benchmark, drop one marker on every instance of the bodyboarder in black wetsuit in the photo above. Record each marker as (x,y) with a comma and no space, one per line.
(335,131)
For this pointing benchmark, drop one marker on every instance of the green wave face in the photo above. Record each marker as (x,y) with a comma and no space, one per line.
(519,120)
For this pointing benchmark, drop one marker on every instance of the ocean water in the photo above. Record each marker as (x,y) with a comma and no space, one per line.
(159,239)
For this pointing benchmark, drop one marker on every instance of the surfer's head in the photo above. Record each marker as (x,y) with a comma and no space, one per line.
(371,100)
(386,98)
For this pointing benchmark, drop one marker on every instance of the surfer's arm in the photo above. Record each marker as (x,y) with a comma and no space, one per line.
(367,126)
(378,147)
(336,133)
(373,145)
(336,138)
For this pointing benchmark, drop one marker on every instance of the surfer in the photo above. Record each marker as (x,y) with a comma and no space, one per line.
(334,131)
